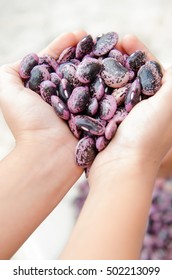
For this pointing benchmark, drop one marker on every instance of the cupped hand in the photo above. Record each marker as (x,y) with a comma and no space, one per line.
(27,115)
(145,136)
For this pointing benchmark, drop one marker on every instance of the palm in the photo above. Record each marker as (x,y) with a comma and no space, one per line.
(28,112)
(24,110)
(130,137)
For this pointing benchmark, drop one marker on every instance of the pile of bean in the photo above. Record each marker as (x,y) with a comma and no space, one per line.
(92,86)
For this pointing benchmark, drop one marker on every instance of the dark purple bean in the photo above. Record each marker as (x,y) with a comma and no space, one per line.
(78,100)
(92,106)
(89,124)
(120,115)
(59,69)
(69,73)
(84,46)
(107,107)
(150,76)
(47,88)
(105,43)
(97,88)
(88,70)
(27,64)
(135,60)
(133,95)
(125,56)
(38,74)
(65,90)
(66,55)
(120,93)
(72,125)
(101,143)
(75,61)
(113,73)
(55,78)
(117,55)
(85,152)
(131,75)
(60,107)
(47,59)
(110,129)
(103,122)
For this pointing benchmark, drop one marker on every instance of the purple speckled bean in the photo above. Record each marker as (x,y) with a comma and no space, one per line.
(101,143)
(133,95)
(107,107)
(92,106)
(59,69)
(55,78)
(75,61)
(117,55)
(47,88)
(131,75)
(60,107)
(120,115)
(135,60)
(47,59)
(27,64)
(90,125)
(114,74)
(85,152)
(72,125)
(65,89)
(84,46)
(88,69)
(105,43)
(150,75)
(68,72)
(78,100)
(37,75)
(97,88)
(110,129)
(120,93)
(125,56)
(66,55)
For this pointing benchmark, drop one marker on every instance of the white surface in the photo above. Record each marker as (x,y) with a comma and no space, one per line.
(27,26)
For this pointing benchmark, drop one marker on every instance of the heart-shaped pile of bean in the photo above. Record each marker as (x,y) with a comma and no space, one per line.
(92,86)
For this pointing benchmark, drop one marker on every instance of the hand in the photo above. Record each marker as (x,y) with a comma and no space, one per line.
(145,136)
(27,115)
(40,170)
(113,221)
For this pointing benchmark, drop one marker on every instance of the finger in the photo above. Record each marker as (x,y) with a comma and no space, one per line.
(119,46)
(10,75)
(56,46)
(62,42)
(131,43)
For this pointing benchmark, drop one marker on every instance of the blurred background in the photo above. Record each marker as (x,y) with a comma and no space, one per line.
(28,26)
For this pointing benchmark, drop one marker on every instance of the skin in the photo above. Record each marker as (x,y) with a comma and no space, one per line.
(113,220)
(31,187)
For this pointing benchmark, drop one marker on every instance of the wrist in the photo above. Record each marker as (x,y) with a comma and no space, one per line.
(120,169)
(50,162)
